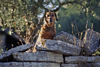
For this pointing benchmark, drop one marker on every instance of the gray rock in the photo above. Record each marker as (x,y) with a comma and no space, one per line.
(66,37)
(91,40)
(39,56)
(16,49)
(89,64)
(28,64)
(78,59)
(58,46)
(69,65)
(97,64)
(81,65)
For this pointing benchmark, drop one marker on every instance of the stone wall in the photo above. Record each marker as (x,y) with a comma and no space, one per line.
(64,51)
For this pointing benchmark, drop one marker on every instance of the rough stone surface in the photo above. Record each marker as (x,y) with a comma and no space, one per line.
(39,56)
(66,37)
(92,41)
(78,59)
(59,46)
(28,64)
(97,64)
(16,49)
(89,64)
(69,65)
(81,65)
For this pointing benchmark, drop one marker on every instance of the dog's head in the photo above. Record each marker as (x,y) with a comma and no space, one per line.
(50,18)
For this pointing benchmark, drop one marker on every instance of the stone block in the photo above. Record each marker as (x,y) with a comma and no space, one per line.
(78,59)
(28,64)
(66,37)
(69,65)
(92,41)
(38,56)
(58,46)
(81,65)
(89,64)
(16,49)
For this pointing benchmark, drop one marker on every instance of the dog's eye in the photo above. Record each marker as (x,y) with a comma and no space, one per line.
(52,15)
(48,15)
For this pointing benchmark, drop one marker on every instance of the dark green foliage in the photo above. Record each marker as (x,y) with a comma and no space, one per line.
(22,15)
(74,17)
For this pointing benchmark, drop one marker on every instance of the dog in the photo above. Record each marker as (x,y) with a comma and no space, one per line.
(48,30)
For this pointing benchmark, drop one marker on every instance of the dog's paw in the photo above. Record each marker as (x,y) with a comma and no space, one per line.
(43,41)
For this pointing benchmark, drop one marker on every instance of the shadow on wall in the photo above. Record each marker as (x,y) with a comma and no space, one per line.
(8,41)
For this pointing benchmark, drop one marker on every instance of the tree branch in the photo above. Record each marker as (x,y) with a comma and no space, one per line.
(61,4)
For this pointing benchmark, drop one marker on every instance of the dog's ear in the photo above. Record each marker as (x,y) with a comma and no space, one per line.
(56,17)
(45,15)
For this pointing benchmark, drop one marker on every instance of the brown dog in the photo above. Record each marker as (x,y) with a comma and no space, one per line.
(48,30)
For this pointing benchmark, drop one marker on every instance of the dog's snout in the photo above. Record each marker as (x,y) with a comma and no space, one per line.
(50,19)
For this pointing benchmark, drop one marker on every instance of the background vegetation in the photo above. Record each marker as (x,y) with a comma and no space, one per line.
(23,16)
